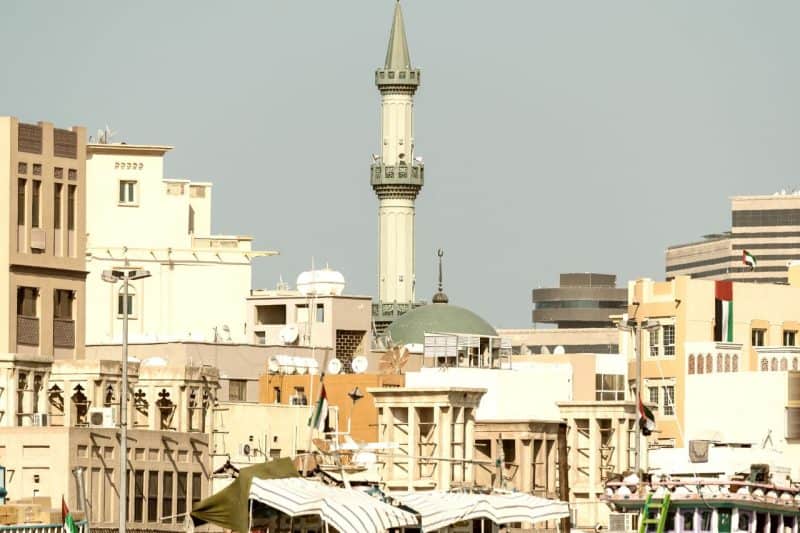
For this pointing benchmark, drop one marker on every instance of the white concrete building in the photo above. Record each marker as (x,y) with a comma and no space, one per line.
(137,218)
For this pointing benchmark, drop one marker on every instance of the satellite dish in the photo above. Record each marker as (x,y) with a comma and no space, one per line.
(300,365)
(334,366)
(545,350)
(359,364)
(273,365)
(559,350)
(288,334)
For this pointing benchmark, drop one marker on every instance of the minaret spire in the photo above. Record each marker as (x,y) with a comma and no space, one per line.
(396,176)
(440,297)
(397,56)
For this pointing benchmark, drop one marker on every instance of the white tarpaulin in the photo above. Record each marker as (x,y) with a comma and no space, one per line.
(441,509)
(348,511)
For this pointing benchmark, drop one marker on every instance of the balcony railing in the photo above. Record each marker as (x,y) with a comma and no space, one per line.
(42,528)
(63,333)
(27,330)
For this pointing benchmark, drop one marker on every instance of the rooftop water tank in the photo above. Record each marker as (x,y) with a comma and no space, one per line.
(325,282)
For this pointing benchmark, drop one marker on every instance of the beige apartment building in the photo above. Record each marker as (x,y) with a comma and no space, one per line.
(686,339)
(767,226)
(42,253)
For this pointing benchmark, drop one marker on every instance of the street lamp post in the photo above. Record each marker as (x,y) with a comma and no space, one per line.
(126,276)
(632,325)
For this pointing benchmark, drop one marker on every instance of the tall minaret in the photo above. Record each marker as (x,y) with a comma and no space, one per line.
(397,176)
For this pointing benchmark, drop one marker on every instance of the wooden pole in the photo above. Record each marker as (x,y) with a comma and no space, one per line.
(563,473)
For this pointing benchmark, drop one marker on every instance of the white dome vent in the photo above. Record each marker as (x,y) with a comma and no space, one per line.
(325,282)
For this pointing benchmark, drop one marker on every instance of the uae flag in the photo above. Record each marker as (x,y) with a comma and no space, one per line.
(68,523)
(723,311)
(749,259)
(647,422)
(320,414)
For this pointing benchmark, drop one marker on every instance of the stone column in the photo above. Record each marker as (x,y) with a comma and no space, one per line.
(469,445)
(413,452)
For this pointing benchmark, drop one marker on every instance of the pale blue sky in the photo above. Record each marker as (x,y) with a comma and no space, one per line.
(557,136)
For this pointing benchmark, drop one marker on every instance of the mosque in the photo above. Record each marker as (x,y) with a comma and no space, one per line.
(397,176)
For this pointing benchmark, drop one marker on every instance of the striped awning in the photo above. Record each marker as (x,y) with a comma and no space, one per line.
(441,509)
(345,509)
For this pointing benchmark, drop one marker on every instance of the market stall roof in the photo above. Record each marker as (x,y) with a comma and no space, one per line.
(440,509)
(347,510)
(230,507)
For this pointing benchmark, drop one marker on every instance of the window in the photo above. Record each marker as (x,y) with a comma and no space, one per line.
(71,207)
(705,520)
(691,364)
(26,301)
(757,337)
(727,362)
(669,401)
(129,305)
(127,192)
(138,495)
(302,312)
(197,484)
(719,362)
(654,348)
(709,364)
(181,507)
(299,397)
(609,387)
(774,365)
(653,392)
(688,520)
(166,498)
(669,340)
(735,363)
(320,313)
(237,390)
(62,304)
(20,202)
(789,337)
(276,391)
(784,365)
(57,206)
(152,496)
(35,193)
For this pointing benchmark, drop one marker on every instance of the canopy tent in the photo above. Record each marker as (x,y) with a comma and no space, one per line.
(440,509)
(347,510)
(230,507)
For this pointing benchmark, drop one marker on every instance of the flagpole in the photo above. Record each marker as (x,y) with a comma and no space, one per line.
(637,335)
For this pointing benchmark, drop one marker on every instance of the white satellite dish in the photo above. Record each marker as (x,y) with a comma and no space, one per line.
(334,366)
(288,334)
(300,365)
(273,365)
(359,364)
(559,350)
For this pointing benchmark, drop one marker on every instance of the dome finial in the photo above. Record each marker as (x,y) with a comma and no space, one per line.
(440,297)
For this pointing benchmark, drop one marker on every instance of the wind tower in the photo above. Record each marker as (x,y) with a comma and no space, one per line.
(397,175)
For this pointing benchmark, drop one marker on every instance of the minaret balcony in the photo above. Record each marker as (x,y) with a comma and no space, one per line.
(392,77)
(397,175)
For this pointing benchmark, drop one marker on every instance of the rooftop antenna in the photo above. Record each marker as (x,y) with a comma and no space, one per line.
(104,136)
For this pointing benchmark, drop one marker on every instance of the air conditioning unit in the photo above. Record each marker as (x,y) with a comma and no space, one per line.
(41,419)
(622,522)
(246,449)
(102,417)
(38,238)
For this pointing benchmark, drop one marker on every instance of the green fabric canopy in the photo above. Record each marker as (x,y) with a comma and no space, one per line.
(230,507)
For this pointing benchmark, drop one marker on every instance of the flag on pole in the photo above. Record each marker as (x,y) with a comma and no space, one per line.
(723,311)
(647,422)
(66,518)
(749,259)
(320,414)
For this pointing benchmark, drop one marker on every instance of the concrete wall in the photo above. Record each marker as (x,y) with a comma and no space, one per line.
(519,394)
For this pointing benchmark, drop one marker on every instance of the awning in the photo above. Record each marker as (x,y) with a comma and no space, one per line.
(441,509)
(349,511)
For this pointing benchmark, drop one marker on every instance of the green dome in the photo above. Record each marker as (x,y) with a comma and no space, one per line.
(436,318)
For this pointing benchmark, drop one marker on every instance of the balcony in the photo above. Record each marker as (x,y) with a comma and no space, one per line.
(63,333)
(27,330)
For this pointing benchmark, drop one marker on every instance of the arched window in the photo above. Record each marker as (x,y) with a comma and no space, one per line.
(691,364)
(774,365)
(709,364)
(764,365)
(794,363)
(719,362)
(131,303)
(727,362)
(735,363)
(784,364)
(700,363)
